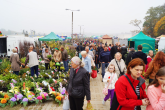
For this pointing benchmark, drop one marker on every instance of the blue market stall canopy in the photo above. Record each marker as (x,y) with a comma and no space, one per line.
(96,37)
(60,38)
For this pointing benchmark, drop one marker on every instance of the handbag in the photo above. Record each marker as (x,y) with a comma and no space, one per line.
(121,73)
(94,74)
(105,90)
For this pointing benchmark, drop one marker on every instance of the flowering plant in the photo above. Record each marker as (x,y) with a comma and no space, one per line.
(25,101)
(3,101)
(13,101)
(43,96)
(57,97)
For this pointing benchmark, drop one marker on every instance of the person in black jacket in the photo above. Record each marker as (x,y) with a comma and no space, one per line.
(114,50)
(123,51)
(78,85)
(140,54)
(129,56)
(83,47)
(97,61)
(78,48)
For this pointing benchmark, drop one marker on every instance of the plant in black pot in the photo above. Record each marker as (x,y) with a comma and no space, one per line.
(56,86)
(67,76)
(1,86)
(63,76)
(49,57)
(64,83)
(4,86)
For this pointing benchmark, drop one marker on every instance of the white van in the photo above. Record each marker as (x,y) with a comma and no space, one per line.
(161,44)
(7,43)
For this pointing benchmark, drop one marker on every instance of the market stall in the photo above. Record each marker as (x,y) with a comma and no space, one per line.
(148,43)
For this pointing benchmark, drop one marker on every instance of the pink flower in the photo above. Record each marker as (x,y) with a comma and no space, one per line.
(45,94)
(39,97)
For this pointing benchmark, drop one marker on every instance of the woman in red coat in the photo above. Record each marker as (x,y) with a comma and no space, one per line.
(126,96)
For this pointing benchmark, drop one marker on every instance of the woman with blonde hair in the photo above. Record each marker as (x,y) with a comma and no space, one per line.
(15,63)
(154,66)
(119,64)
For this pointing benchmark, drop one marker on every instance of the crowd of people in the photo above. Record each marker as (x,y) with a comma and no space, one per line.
(123,71)
(124,75)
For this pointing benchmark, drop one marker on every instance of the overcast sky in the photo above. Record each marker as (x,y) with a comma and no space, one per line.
(97,16)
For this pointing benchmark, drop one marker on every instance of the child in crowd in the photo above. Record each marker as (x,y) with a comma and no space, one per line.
(156,91)
(110,79)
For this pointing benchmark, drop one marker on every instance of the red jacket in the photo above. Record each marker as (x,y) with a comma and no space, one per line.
(126,95)
(109,49)
(149,59)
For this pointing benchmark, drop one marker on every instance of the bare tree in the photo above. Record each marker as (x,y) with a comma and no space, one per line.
(136,23)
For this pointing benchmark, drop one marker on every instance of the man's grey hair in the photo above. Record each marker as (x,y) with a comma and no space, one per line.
(87,47)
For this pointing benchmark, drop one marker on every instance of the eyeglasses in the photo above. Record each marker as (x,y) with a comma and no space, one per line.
(111,68)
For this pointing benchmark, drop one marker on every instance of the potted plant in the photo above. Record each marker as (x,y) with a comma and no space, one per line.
(67,76)
(49,57)
(1,83)
(4,86)
(64,83)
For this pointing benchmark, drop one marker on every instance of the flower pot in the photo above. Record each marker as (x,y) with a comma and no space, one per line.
(67,78)
(45,89)
(46,77)
(56,88)
(55,77)
(50,59)
(32,89)
(4,89)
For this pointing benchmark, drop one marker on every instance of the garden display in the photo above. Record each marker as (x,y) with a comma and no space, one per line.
(25,89)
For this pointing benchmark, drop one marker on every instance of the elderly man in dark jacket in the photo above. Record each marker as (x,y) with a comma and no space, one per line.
(114,50)
(123,51)
(129,56)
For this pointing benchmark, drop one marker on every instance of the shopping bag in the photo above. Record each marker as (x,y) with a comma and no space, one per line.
(94,74)
(89,106)
(66,105)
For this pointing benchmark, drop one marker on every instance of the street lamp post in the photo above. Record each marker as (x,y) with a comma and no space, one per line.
(72,22)
(80,29)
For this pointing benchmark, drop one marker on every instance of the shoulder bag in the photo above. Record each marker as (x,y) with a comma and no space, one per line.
(121,73)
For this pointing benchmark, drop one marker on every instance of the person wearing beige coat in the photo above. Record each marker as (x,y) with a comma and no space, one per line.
(120,62)
(15,63)
(46,60)
(57,57)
